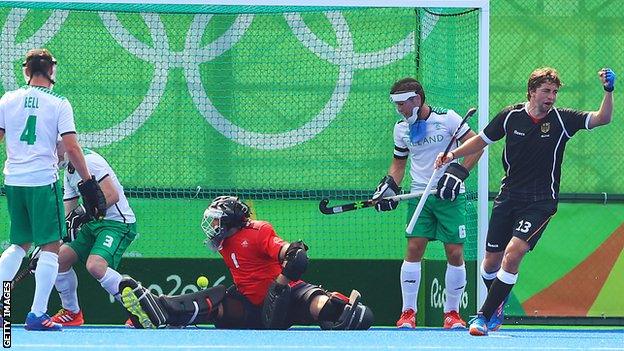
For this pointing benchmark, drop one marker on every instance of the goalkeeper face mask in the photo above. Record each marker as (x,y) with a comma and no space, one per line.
(211,225)
(417,128)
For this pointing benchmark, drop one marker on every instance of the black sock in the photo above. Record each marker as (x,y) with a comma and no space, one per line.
(496,294)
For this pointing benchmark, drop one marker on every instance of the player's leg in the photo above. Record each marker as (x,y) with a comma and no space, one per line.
(311,304)
(411,266)
(499,234)
(48,224)
(530,221)
(451,230)
(20,235)
(67,283)
(111,241)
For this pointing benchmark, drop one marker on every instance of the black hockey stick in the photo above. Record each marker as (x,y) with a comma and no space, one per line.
(325,209)
(29,269)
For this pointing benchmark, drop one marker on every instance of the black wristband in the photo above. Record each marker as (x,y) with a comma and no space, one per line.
(608,89)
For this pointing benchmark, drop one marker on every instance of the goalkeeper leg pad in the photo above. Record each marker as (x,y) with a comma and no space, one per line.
(142,304)
(192,308)
(276,305)
(354,315)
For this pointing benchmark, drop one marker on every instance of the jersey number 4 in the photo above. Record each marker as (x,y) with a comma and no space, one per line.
(28,135)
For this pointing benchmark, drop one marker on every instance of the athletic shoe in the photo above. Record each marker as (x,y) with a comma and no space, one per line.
(43,322)
(479,325)
(132,304)
(407,320)
(68,318)
(498,317)
(129,323)
(452,320)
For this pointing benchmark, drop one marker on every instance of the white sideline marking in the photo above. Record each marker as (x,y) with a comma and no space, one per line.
(307,347)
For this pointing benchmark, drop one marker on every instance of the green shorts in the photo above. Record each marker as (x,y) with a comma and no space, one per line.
(36,213)
(107,239)
(442,220)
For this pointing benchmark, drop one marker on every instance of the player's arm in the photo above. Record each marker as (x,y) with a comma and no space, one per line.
(294,260)
(397,169)
(605,112)
(450,183)
(76,157)
(389,185)
(109,190)
(473,145)
(470,160)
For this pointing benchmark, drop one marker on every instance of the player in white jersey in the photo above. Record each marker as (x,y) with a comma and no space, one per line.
(421,134)
(98,244)
(31,118)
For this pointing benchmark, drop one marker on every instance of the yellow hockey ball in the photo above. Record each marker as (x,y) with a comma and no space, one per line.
(202,282)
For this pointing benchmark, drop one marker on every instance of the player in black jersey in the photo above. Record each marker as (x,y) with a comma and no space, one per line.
(535,135)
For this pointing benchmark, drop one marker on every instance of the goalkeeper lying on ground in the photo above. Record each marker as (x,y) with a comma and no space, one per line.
(268,292)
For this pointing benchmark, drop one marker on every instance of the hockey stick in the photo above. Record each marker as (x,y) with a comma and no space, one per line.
(423,199)
(325,209)
(29,269)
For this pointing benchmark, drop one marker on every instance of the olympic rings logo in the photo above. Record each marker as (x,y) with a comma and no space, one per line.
(193,55)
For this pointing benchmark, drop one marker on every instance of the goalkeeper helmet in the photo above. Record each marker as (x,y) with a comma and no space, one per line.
(224,216)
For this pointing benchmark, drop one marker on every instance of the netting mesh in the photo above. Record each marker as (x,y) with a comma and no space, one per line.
(577,38)
(281,109)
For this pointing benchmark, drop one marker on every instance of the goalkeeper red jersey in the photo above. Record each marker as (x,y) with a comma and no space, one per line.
(252,256)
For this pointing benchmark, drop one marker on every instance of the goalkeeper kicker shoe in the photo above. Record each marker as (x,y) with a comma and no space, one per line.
(452,320)
(43,322)
(407,319)
(68,318)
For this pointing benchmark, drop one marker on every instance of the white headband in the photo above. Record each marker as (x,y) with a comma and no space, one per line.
(400,97)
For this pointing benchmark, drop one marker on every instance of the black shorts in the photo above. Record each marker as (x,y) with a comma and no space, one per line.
(240,313)
(525,220)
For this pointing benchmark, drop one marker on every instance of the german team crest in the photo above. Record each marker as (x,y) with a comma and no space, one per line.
(545,127)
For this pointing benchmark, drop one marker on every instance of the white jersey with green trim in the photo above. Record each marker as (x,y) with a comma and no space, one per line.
(441,124)
(32,118)
(99,167)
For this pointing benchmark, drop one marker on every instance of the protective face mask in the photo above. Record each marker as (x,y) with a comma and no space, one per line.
(417,128)
(417,131)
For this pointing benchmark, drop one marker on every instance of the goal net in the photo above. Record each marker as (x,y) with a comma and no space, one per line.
(281,106)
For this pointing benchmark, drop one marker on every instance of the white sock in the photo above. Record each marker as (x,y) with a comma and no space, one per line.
(110,281)
(67,286)
(410,281)
(45,276)
(10,262)
(455,281)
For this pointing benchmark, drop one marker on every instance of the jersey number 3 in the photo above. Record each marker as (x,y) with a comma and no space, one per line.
(28,135)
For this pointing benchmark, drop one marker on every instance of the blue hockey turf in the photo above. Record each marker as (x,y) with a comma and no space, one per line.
(119,338)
